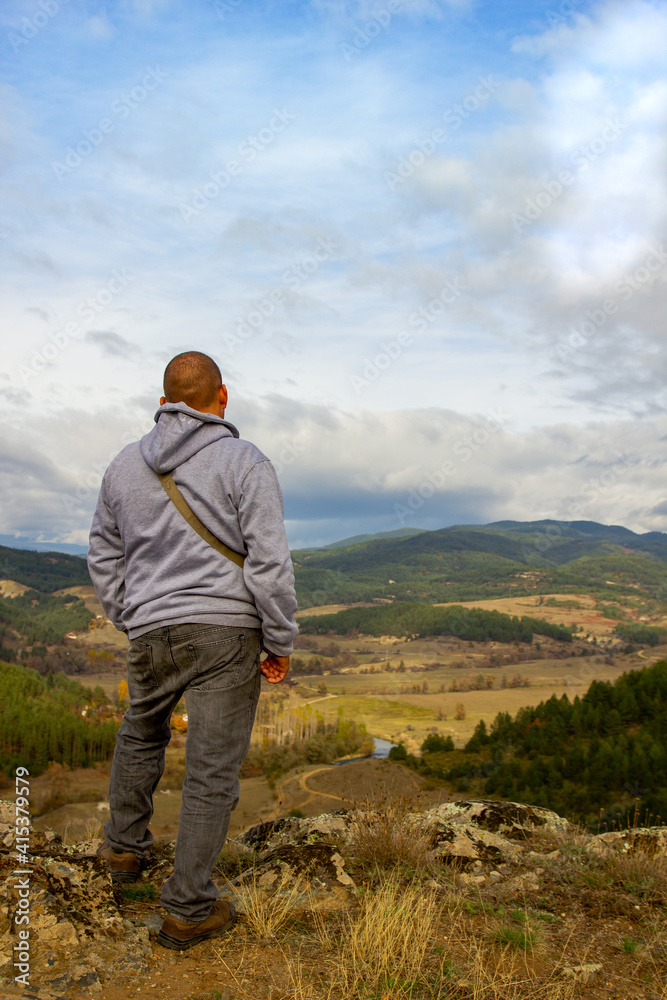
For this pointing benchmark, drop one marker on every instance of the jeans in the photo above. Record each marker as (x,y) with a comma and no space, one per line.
(216,668)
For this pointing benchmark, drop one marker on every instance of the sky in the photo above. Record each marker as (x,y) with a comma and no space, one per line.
(424,240)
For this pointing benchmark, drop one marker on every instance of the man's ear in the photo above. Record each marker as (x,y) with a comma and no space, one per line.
(223,396)
(163,400)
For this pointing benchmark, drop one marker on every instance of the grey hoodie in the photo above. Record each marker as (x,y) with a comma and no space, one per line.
(150,568)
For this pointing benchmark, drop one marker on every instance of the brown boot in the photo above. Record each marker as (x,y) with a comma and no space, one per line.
(179,935)
(124,866)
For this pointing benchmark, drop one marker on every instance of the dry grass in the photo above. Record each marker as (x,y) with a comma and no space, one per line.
(509,979)
(268,907)
(391,833)
(84,830)
(387,949)
(388,944)
(640,874)
(571,838)
(412,938)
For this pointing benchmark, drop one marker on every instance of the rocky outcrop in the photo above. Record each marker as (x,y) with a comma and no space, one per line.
(77,933)
(83,931)
(651,841)
(509,818)
(462,832)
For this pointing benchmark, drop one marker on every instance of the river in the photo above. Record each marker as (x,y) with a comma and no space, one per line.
(381,751)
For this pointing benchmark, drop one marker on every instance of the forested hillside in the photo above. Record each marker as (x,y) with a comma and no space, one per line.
(470,563)
(37,619)
(594,759)
(42,721)
(42,618)
(424,620)
(43,571)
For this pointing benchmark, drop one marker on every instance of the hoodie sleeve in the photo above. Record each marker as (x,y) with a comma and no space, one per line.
(106,561)
(268,572)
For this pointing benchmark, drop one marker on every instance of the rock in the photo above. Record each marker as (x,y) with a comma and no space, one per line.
(293,830)
(459,837)
(10,991)
(461,845)
(77,934)
(39,840)
(473,879)
(650,840)
(319,863)
(510,818)
(319,868)
(332,825)
(523,883)
(153,922)
(81,938)
(259,836)
(581,972)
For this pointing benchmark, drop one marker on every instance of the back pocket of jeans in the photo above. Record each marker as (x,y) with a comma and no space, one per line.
(220,664)
(140,666)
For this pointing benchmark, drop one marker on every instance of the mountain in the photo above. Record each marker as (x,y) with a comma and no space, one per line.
(470,562)
(355,539)
(43,571)
(458,563)
(22,542)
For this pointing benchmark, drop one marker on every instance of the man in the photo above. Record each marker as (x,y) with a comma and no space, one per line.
(196,621)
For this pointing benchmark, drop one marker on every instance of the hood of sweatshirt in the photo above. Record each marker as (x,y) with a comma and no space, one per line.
(179,433)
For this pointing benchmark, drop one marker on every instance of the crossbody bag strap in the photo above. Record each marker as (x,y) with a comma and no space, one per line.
(182,506)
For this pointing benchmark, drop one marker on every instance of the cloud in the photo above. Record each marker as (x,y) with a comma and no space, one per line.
(111,344)
(524,335)
(346,472)
(453,467)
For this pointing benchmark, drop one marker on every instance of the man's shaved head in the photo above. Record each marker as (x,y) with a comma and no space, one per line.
(192,378)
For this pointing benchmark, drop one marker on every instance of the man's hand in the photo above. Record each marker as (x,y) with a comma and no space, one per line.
(274,667)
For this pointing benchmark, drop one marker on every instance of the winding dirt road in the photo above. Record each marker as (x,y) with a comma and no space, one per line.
(289,788)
